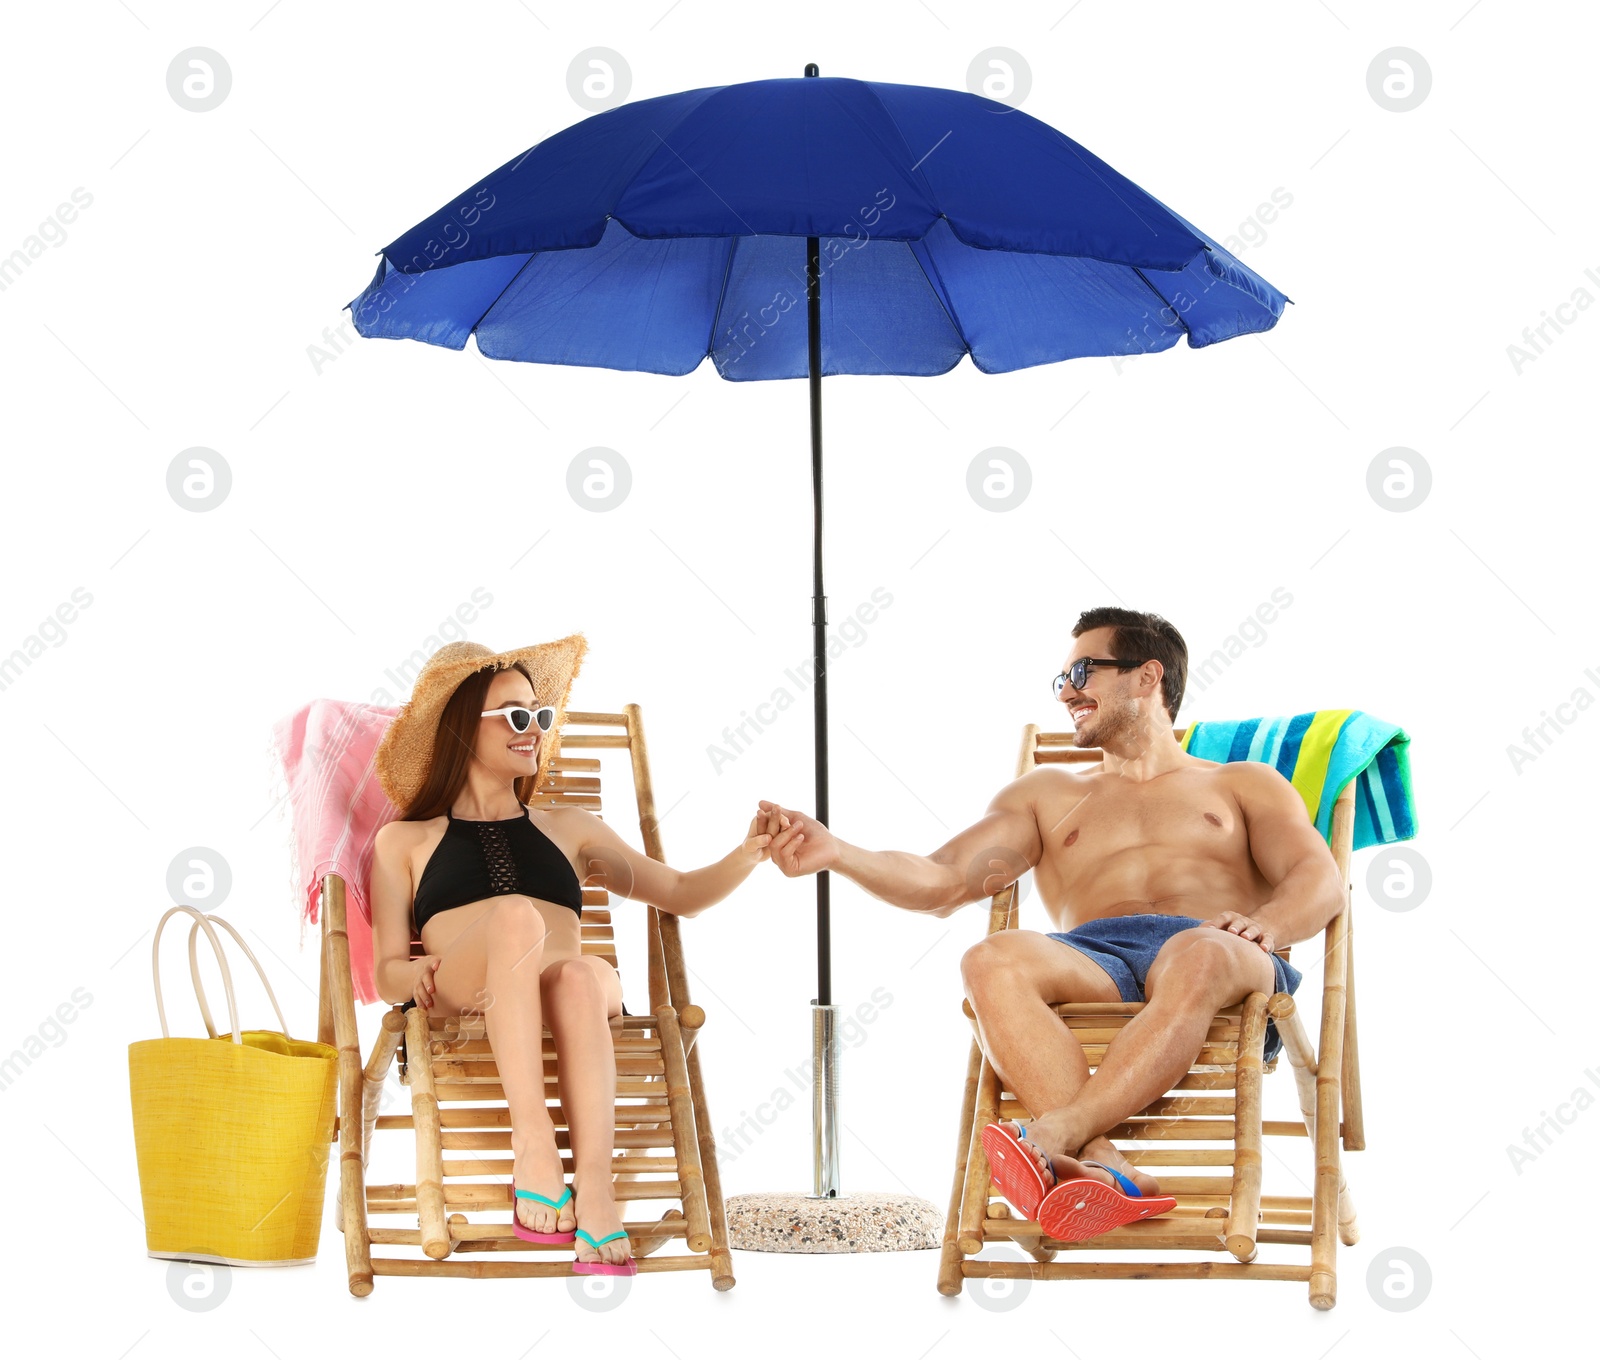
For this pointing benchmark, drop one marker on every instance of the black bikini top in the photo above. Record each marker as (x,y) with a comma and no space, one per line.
(476,860)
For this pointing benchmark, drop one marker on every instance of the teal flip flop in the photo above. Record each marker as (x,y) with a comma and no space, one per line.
(528,1234)
(628,1267)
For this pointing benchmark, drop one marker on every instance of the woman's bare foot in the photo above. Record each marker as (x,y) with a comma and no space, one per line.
(598,1216)
(540,1171)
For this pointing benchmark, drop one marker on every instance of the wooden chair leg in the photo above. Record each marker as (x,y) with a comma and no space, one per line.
(326,1033)
(1245,1199)
(1330,1067)
(691,1178)
(1355,1133)
(352,1165)
(435,1232)
(976,1195)
(721,1259)
(950,1250)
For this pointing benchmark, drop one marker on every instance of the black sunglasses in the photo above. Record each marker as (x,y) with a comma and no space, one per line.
(1077,674)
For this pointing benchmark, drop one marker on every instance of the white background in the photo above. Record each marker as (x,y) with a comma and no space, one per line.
(370,498)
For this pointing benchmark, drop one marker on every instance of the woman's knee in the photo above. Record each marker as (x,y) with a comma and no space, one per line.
(572,982)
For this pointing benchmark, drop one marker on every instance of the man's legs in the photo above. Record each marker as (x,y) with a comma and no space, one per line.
(1012,978)
(1196,973)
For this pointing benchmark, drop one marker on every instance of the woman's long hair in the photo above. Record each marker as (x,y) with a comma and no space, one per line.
(453,743)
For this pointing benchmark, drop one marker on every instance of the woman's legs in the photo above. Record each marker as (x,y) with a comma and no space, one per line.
(493,966)
(580,996)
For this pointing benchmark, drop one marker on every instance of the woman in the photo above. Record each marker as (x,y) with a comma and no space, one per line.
(493,885)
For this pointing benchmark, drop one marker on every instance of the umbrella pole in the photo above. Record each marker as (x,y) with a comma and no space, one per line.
(825,1220)
(824,1031)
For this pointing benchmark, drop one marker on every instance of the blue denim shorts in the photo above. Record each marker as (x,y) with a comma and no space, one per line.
(1126,946)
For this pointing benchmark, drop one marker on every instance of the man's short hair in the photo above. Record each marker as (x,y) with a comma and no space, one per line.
(1145,637)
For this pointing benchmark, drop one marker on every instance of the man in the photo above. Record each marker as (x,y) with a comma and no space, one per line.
(1170,880)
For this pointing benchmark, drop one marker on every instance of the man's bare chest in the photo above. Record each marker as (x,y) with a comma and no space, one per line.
(1099,816)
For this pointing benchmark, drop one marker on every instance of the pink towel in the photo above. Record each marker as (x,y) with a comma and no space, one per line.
(328,750)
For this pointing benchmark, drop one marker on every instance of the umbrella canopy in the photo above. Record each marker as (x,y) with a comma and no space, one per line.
(665,231)
(915,225)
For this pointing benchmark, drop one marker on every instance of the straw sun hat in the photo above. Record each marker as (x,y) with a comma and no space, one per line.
(406,750)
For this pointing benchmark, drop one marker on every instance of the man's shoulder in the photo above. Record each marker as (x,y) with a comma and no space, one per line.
(1247,773)
(1251,782)
(1045,782)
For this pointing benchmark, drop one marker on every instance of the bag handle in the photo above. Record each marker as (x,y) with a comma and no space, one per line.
(227,977)
(199,990)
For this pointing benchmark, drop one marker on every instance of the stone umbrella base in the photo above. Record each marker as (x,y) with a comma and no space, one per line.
(805,1223)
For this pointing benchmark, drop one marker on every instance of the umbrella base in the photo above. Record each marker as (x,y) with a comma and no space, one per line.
(806,1223)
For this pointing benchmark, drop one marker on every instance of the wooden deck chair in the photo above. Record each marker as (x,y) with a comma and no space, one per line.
(1206,1149)
(459,1119)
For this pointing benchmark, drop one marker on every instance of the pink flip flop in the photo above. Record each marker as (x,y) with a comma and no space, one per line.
(527,1234)
(628,1267)
(1017,1174)
(1083,1208)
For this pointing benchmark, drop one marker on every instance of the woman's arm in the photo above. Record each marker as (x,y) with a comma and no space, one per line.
(611,863)
(394,972)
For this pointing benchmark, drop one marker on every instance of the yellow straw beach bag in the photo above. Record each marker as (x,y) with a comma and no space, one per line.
(232,1131)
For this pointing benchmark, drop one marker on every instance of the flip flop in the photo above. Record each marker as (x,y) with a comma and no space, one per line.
(1017,1174)
(528,1234)
(1082,1208)
(628,1267)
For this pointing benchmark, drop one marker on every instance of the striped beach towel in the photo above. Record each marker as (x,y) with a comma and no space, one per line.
(1319,753)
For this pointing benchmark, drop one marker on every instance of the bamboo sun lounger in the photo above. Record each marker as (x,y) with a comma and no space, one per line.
(665,1151)
(1203,1141)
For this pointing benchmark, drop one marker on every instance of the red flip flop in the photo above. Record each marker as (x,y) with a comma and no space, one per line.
(1082,1208)
(1017,1174)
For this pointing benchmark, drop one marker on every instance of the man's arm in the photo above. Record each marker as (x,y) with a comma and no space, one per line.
(1306,889)
(974,864)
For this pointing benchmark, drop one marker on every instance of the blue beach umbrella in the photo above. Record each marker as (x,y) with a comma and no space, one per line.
(804,227)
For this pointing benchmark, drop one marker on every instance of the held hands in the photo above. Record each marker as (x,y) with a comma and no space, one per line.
(803,845)
(423,970)
(1248,928)
(763,827)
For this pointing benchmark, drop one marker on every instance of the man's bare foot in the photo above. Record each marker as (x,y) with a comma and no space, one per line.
(598,1216)
(541,1173)
(1069,1168)
(1102,1149)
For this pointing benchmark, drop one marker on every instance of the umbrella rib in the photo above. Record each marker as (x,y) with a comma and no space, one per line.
(1165,303)
(722,294)
(941,290)
(927,185)
(484,315)
(1112,188)
(1081,153)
